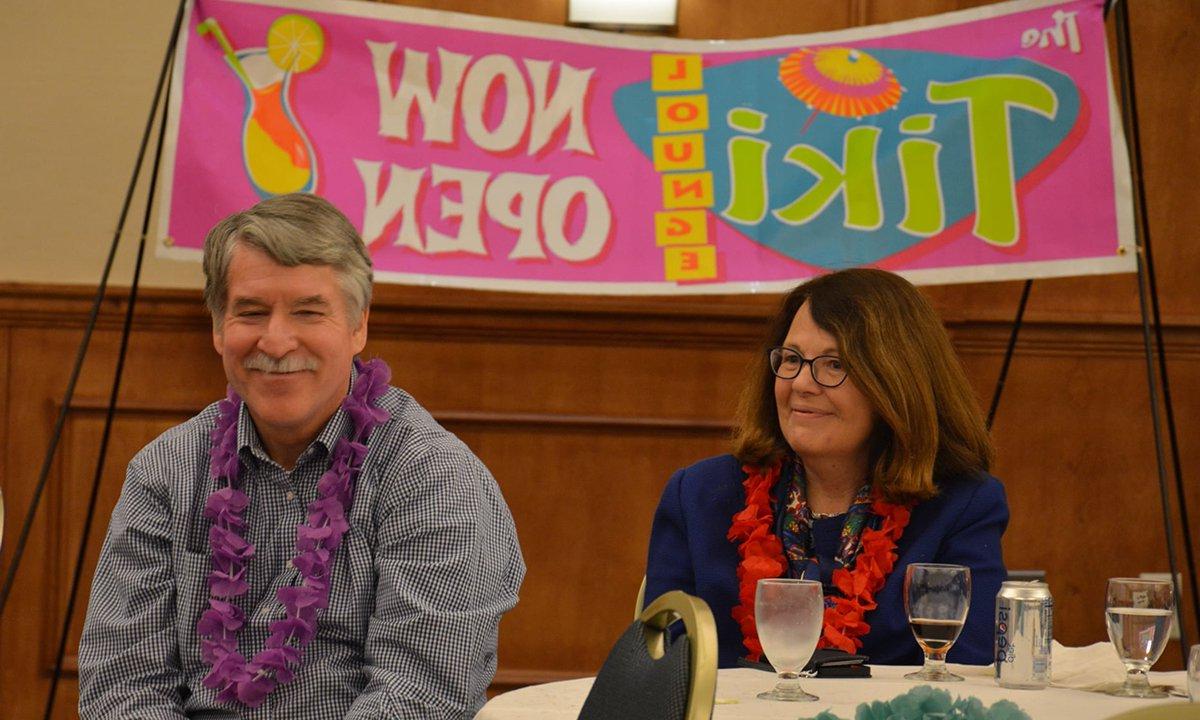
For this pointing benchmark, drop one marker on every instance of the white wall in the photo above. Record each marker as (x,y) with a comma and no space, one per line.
(76,80)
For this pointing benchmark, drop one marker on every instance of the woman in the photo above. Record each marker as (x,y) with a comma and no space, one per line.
(859,449)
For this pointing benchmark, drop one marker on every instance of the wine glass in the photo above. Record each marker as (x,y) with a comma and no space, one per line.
(936,599)
(789,615)
(1139,623)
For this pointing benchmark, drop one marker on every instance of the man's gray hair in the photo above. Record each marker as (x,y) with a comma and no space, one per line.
(296,229)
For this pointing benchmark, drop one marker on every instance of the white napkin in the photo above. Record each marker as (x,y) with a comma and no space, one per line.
(1093,667)
(972,670)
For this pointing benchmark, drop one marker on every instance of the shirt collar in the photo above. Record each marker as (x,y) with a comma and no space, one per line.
(250,447)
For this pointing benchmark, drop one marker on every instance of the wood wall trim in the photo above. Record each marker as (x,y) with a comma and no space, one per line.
(93,405)
(506,678)
(438,315)
(513,678)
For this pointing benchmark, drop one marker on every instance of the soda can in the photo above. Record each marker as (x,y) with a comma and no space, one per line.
(1024,630)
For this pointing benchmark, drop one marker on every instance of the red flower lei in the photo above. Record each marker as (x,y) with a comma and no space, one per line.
(762,557)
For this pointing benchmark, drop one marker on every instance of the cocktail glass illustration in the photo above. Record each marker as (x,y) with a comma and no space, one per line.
(276,152)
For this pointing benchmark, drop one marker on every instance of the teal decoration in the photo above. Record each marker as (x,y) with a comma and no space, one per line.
(927,703)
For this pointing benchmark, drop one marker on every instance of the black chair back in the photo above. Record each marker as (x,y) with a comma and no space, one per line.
(651,675)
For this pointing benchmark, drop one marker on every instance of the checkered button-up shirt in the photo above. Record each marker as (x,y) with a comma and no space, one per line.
(427,568)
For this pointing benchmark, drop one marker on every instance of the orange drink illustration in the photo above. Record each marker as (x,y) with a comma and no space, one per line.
(276,153)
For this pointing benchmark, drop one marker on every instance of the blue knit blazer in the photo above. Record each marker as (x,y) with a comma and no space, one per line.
(961,525)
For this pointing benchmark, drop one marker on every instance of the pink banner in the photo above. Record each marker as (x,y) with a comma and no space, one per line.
(473,152)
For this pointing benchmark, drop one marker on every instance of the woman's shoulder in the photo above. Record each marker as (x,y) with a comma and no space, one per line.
(708,480)
(969,497)
(971,487)
(718,466)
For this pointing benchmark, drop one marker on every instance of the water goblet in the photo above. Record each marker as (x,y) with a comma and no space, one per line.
(789,615)
(1139,614)
(936,599)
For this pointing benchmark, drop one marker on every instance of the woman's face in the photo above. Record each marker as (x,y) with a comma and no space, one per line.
(821,423)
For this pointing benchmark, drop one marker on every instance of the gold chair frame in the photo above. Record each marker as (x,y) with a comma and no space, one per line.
(641,600)
(702,644)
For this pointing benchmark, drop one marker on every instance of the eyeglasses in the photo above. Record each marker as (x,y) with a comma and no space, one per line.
(827,370)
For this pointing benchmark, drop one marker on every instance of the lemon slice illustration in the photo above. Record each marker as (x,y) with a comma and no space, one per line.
(295,43)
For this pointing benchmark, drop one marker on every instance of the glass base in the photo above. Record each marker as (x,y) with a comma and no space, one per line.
(1137,685)
(791,694)
(934,675)
(1138,691)
(788,690)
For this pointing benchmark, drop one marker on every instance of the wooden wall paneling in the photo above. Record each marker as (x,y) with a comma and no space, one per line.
(133,428)
(8,484)
(1161,33)
(583,505)
(1076,453)
(5,411)
(31,406)
(885,11)
(700,19)
(532,440)
(157,370)
(553,12)
(718,19)
(590,380)
(558,423)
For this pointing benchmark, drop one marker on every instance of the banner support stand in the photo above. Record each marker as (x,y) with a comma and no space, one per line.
(1008,352)
(1148,288)
(161,89)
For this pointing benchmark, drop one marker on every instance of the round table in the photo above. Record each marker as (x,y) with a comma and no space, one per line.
(736,690)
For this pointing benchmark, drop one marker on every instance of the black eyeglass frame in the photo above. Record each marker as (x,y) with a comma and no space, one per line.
(812,366)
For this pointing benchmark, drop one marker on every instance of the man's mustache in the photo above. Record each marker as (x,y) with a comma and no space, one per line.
(286,364)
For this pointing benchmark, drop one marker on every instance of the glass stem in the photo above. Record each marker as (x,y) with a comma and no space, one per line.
(788,682)
(1137,679)
(935,663)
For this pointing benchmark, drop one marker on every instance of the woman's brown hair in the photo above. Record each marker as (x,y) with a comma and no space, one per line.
(900,357)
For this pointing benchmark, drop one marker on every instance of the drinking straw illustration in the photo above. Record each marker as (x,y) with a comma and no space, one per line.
(210,26)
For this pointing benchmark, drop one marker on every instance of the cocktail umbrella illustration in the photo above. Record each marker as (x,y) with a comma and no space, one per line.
(277,154)
(839,81)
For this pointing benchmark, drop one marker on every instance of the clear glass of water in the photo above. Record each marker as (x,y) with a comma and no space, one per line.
(1193,674)
(1139,614)
(789,615)
(936,598)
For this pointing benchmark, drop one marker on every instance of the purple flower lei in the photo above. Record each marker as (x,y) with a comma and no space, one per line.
(317,540)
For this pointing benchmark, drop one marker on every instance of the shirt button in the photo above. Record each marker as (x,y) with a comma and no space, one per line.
(290,496)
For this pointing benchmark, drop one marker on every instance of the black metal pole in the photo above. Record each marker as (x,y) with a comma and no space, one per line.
(1148,286)
(89,327)
(1008,352)
(110,411)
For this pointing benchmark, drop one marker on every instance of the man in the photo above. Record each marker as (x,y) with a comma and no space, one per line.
(315,546)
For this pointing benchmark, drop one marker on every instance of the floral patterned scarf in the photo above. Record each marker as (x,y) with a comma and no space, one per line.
(795,526)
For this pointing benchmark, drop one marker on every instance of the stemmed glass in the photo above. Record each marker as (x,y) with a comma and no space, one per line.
(789,614)
(936,598)
(1139,616)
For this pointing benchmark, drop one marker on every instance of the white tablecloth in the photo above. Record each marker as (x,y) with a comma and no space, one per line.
(736,690)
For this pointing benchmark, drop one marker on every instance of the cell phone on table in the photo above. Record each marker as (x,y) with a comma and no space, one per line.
(827,662)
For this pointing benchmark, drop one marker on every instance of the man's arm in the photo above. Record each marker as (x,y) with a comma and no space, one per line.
(448,567)
(128,654)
